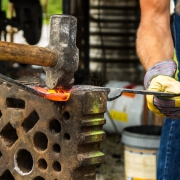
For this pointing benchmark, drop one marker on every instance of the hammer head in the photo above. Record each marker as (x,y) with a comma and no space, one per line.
(63,42)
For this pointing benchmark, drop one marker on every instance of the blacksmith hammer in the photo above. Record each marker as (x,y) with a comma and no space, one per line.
(59,59)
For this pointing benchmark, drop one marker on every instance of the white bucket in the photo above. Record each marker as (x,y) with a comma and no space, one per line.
(140,152)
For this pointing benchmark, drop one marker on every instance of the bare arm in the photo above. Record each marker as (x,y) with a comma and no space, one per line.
(154,41)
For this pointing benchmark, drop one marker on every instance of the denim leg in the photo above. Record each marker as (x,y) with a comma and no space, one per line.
(168,167)
(169,151)
(176,27)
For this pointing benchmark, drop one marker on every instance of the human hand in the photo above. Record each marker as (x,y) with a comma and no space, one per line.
(160,78)
(164,106)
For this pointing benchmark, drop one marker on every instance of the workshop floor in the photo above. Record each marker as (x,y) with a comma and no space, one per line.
(113,168)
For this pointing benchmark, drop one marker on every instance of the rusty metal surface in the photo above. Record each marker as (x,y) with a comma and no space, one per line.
(45,140)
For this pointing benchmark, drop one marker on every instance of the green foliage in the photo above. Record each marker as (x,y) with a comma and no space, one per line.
(4,4)
(54,6)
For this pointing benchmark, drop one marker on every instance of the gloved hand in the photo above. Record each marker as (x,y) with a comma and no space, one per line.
(160,78)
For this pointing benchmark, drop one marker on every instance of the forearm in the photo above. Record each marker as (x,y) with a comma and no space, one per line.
(155,49)
(154,41)
(153,45)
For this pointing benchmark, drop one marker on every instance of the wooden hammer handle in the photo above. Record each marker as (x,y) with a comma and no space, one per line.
(27,54)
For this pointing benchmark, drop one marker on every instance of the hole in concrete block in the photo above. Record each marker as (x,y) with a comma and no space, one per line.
(66,115)
(7,176)
(40,141)
(39,178)
(67,136)
(30,121)
(55,126)
(23,162)
(15,103)
(9,135)
(56,148)
(56,166)
(42,164)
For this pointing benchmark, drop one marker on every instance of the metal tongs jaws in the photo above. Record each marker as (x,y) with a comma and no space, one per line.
(117,92)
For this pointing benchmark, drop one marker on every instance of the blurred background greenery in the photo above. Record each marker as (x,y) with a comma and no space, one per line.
(53,6)
(49,7)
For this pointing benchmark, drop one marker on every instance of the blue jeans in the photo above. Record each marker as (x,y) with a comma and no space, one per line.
(169,152)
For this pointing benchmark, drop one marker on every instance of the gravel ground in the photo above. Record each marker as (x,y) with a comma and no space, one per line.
(113,168)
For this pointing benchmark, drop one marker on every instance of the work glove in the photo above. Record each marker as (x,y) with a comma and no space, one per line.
(160,78)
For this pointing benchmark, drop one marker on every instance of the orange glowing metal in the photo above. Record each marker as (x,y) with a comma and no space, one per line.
(53,94)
